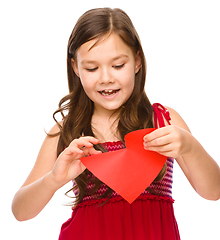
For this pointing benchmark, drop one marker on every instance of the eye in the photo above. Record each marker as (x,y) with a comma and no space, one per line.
(91,69)
(117,67)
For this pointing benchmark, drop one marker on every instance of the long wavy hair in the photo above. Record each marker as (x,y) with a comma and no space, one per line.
(135,114)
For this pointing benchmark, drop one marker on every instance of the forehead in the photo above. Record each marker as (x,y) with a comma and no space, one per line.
(108,47)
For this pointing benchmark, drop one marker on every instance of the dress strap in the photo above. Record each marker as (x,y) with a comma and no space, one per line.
(160,114)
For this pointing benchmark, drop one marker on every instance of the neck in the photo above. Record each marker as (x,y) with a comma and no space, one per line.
(104,125)
(106,114)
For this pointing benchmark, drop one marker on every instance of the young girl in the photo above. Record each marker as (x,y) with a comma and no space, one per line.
(106,76)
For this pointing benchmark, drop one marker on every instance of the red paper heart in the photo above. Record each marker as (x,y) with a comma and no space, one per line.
(127,171)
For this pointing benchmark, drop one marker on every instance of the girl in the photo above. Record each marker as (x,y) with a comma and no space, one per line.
(106,76)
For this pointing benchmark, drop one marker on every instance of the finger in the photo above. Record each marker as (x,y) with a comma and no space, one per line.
(84,142)
(161,149)
(164,150)
(90,139)
(160,141)
(73,150)
(90,151)
(156,134)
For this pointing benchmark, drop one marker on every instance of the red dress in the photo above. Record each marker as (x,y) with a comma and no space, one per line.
(149,217)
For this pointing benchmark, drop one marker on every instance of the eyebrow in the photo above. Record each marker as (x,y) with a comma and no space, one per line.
(113,59)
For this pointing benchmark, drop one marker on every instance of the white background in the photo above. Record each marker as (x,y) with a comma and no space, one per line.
(181,43)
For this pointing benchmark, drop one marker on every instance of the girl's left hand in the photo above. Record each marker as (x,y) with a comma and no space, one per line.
(170,141)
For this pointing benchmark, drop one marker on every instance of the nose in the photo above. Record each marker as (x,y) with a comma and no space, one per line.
(106,76)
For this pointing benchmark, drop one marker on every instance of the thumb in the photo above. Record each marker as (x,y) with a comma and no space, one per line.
(90,151)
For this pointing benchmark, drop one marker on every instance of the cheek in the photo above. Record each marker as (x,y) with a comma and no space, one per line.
(86,81)
(129,80)
(86,85)
(87,88)
(130,87)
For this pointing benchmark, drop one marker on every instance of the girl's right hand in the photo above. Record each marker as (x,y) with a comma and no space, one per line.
(68,165)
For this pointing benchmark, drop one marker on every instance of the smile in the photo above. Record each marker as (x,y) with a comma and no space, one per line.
(108,92)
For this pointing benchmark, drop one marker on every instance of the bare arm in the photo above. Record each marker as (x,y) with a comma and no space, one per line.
(49,174)
(199,167)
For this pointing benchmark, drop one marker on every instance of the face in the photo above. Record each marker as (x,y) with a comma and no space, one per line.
(107,72)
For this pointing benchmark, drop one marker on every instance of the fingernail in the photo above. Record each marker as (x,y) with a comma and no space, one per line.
(145,145)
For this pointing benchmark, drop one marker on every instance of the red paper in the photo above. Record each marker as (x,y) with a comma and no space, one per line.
(127,171)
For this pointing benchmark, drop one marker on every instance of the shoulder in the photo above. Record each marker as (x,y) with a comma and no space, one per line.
(51,141)
(56,128)
(46,157)
(176,119)
(168,115)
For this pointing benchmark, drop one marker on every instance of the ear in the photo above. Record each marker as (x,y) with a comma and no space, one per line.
(75,67)
(138,62)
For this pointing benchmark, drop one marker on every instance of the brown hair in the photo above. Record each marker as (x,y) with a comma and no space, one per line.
(135,114)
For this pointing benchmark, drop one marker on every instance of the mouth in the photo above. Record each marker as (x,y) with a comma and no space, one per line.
(108,92)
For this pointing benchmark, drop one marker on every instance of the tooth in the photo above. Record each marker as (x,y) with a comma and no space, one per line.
(108,92)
